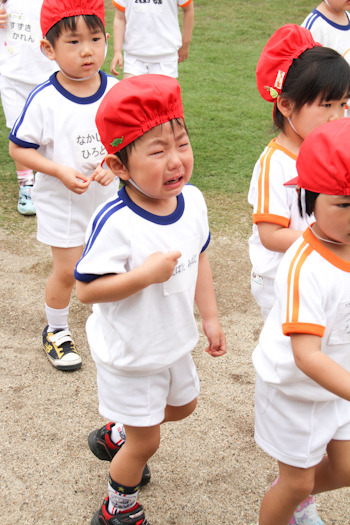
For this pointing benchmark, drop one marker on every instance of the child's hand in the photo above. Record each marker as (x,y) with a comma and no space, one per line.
(3,18)
(216,338)
(117,60)
(160,266)
(183,53)
(73,180)
(102,176)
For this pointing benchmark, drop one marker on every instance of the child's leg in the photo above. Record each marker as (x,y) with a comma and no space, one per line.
(140,444)
(60,284)
(334,470)
(279,503)
(177,413)
(57,340)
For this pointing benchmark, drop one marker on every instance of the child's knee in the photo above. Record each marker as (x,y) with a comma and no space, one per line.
(301,486)
(173,413)
(144,443)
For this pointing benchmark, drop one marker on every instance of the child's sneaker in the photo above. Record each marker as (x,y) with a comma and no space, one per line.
(60,349)
(25,205)
(102,446)
(306,513)
(135,516)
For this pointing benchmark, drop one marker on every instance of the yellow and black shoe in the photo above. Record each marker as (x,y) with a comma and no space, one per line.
(60,349)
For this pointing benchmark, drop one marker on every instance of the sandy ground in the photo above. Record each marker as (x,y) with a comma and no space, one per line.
(207,470)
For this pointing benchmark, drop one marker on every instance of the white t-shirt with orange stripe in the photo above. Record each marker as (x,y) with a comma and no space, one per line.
(272,202)
(152,31)
(312,290)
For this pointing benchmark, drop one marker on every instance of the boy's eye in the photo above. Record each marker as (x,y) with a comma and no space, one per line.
(158,152)
(343,204)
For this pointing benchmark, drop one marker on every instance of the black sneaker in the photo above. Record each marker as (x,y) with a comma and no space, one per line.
(60,349)
(102,446)
(133,517)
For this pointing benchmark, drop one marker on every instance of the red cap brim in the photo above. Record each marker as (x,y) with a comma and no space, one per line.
(292,182)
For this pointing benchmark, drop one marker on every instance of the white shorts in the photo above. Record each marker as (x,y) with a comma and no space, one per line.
(63,216)
(13,97)
(140,401)
(297,432)
(135,66)
(263,292)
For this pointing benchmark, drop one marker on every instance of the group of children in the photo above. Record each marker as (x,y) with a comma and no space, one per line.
(300,254)
(143,263)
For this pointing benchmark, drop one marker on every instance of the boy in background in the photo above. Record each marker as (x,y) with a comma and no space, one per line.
(22,67)
(329,24)
(150,35)
(56,136)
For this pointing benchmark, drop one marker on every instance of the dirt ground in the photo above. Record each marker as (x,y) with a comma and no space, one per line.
(207,470)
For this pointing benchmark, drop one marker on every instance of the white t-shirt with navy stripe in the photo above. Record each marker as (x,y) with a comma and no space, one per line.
(328,33)
(150,330)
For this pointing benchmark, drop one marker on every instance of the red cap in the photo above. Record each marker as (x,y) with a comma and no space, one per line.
(52,11)
(323,163)
(136,105)
(286,44)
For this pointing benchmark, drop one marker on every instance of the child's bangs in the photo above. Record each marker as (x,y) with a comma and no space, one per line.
(336,80)
(92,22)
(326,76)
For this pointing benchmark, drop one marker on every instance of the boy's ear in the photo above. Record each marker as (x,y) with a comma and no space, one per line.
(47,48)
(116,165)
(285,105)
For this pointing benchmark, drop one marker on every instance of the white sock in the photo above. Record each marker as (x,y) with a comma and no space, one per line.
(57,319)
(120,497)
(118,434)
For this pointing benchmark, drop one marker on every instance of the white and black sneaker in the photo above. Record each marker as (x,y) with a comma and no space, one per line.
(60,349)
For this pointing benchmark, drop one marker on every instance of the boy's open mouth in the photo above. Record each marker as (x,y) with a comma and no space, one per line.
(173,181)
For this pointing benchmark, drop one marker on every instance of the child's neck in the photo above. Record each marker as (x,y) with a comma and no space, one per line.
(162,207)
(341,250)
(339,17)
(80,88)
(289,139)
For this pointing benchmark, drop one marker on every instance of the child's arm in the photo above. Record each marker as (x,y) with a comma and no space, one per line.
(206,303)
(30,157)
(157,268)
(318,366)
(275,237)
(3,17)
(118,39)
(187,28)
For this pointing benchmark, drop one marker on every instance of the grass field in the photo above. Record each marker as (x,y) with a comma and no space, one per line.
(229,123)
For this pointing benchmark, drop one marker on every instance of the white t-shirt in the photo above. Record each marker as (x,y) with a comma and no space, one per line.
(328,33)
(272,202)
(152,30)
(20,56)
(62,128)
(150,330)
(312,289)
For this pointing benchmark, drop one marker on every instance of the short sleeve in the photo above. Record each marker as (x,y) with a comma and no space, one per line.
(300,290)
(107,251)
